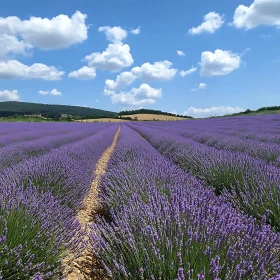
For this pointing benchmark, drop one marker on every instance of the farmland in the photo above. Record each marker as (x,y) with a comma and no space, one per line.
(196,199)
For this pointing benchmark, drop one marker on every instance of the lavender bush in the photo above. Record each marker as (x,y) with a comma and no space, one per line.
(166,224)
(36,232)
(39,198)
(235,173)
(66,172)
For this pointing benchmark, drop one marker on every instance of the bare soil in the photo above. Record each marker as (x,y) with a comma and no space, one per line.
(87,266)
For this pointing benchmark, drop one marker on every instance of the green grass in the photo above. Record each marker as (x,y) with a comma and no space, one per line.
(18,118)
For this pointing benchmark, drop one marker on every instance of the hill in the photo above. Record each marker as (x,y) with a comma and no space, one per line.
(152,117)
(150,112)
(11,108)
(260,111)
(103,120)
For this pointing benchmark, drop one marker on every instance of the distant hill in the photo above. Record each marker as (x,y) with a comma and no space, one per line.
(151,117)
(150,111)
(11,108)
(260,111)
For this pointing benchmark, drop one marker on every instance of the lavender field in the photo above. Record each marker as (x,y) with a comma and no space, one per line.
(193,200)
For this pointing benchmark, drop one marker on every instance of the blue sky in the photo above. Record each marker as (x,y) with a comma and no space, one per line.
(117,55)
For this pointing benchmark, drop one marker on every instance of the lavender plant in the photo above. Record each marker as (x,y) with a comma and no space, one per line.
(231,172)
(36,233)
(39,198)
(166,224)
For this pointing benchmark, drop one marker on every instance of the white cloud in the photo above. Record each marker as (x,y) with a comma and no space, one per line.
(260,12)
(202,86)
(212,22)
(56,33)
(54,92)
(157,71)
(212,111)
(108,92)
(127,99)
(188,72)
(11,44)
(137,96)
(9,95)
(244,52)
(136,31)
(116,57)
(13,69)
(199,87)
(145,91)
(114,34)
(180,53)
(219,63)
(123,80)
(160,71)
(42,92)
(84,73)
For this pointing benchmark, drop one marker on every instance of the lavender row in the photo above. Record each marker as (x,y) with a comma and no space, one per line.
(164,224)
(66,172)
(38,202)
(269,152)
(251,184)
(250,124)
(27,132)
(18,152)
(262,128)
(191,128)
(10,128)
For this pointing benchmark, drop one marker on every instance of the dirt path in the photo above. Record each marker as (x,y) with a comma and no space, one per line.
(82,267)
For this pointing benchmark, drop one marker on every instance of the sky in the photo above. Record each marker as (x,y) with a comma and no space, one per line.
(199,58)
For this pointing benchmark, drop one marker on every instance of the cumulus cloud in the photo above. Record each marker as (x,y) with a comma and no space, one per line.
(187,72)
(202,86)
(260,12)
(136,31)
(116,57)
(108,92)
(42,92)
(54,92)
(84,73)
(212,111)
(114,34)
(11,44)
(56,33)
(180,53)
(9,95)
(123,80)
(160,71)
(212,22)
(143,95)
(219,63)
(13,69)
